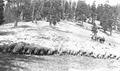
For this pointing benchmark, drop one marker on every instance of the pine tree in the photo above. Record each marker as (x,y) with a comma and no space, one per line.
(1,12)
(81,11)
(93,13)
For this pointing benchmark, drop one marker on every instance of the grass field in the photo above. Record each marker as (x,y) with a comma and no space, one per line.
(64,36)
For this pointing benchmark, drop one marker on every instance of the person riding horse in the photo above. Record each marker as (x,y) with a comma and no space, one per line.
(53,19)
(94,30)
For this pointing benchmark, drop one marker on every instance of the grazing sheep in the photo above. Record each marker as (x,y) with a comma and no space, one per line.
(42,51)
(83,53)
(24,50)
(64,53)
(118,58)
(103,56)
(46,51)
(86,54)
(109,56)
(49,52)
(18,48)
(98,56)
(91,53)
(113,57)
(36,51)
(32,50)
(27,51)
(11,47)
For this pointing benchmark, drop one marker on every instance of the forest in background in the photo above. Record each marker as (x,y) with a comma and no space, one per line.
(34,10)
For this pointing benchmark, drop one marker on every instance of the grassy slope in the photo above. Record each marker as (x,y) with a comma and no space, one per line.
(66,35)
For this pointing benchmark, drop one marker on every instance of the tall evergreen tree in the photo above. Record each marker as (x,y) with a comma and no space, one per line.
(1,12)
(81,11)
(93,12)
(93,15)
(67,10)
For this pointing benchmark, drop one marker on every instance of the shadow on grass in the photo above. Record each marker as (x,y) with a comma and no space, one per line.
(7,33)
(53,28)
(7,61)
(24,26)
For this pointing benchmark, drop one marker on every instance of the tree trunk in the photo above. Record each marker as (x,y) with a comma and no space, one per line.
(33,14)
(21,16)
(82,22)
(110,31)
(35,20)
(16,23)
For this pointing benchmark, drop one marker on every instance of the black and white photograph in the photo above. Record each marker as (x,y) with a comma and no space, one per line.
(59,35)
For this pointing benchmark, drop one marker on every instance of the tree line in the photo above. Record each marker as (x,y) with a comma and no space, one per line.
(33,10)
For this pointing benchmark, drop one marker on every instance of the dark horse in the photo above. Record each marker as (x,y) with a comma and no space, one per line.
(53,19)
(100,39)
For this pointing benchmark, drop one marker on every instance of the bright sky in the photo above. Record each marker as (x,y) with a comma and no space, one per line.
(111,2)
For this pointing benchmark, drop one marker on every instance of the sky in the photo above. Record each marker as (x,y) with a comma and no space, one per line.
(111,2)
